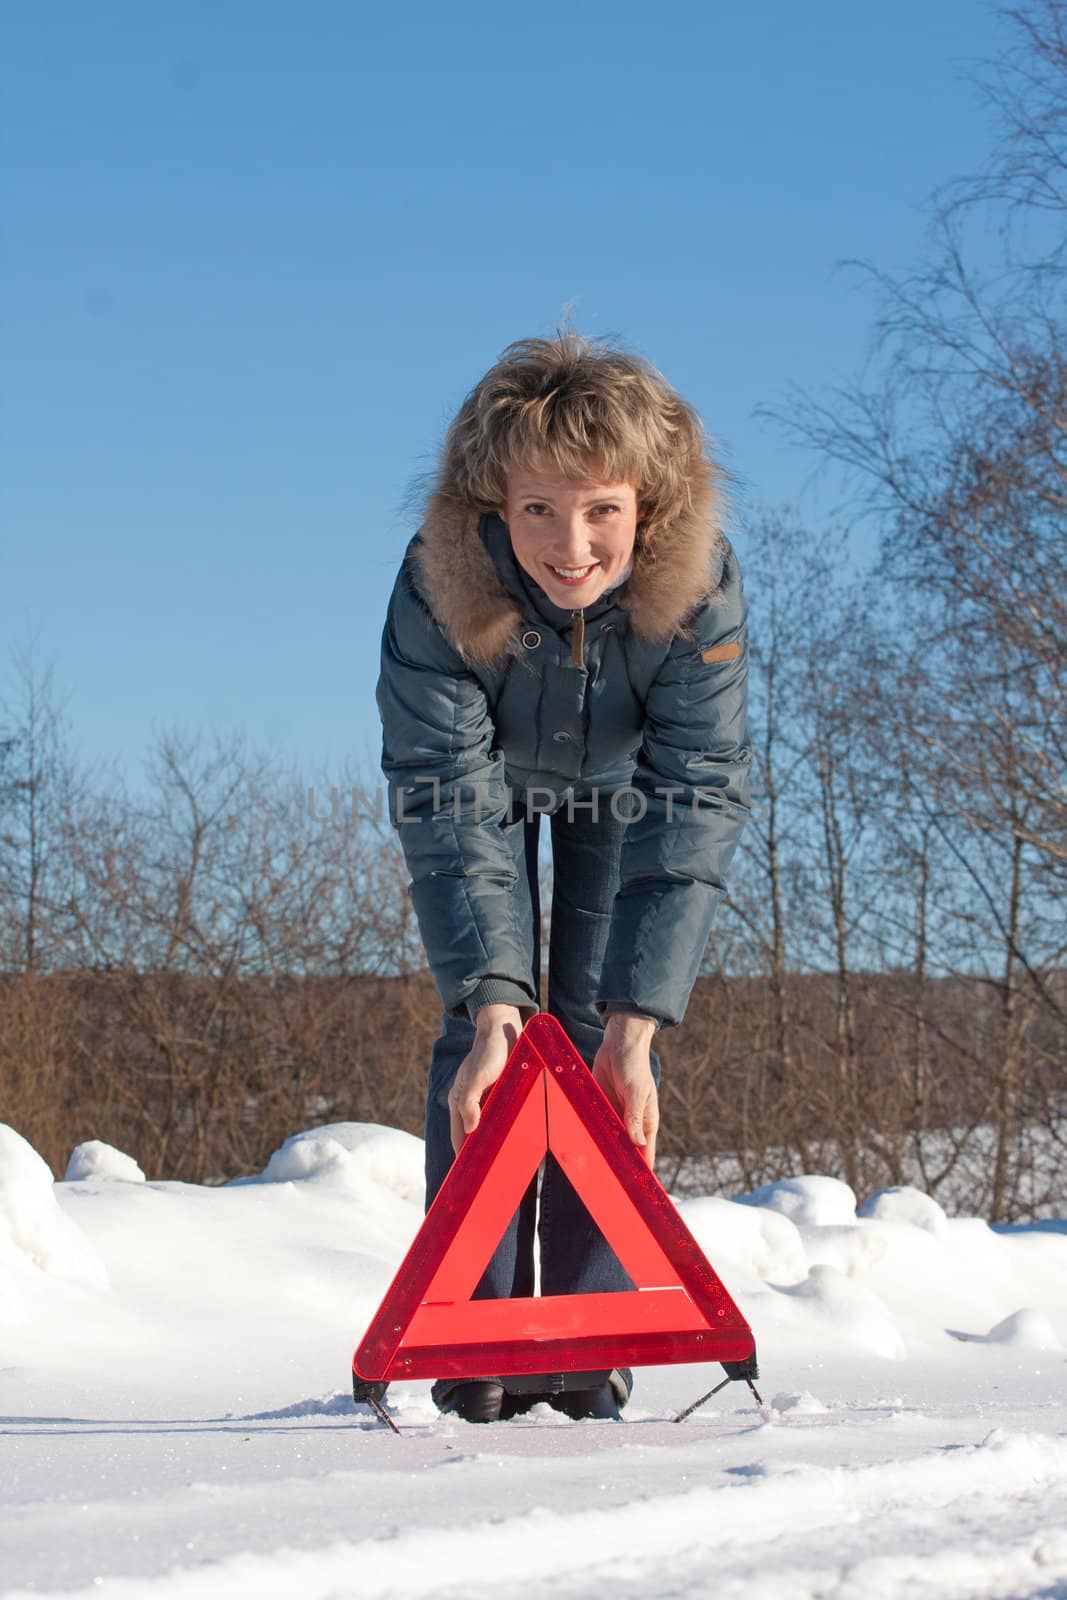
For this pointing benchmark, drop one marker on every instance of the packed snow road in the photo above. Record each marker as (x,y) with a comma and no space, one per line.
(162,1348)
(844,1502)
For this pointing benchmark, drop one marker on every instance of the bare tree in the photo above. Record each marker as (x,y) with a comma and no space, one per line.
(38,786)
(958,445)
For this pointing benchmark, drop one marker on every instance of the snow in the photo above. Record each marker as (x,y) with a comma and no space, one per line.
(95,1159)
(177,1419)
(815,1202)
(906,1205)
(353,1155)
(1027,1329)
(37,1238)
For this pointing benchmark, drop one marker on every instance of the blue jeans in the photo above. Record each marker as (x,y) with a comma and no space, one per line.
(574,1256)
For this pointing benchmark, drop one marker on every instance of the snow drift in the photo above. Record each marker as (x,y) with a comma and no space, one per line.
(174,1369)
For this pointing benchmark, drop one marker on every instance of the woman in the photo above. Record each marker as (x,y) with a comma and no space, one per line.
(566,637)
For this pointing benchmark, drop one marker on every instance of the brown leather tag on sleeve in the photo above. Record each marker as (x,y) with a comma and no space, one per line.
(721,652)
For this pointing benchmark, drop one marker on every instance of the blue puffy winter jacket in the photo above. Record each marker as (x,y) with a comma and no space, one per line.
(492,698)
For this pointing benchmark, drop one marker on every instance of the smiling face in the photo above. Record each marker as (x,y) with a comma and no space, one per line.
(573,536)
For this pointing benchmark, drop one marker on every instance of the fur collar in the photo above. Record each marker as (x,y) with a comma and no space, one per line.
(675,571)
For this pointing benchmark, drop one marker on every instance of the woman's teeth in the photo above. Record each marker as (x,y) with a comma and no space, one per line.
(571,574)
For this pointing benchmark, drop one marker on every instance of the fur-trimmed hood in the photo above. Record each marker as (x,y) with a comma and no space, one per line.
(676,569)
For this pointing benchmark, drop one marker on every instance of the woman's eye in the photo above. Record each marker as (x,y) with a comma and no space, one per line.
(535,507)
(608,509)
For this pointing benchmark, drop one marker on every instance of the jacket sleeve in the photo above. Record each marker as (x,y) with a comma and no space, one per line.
(689,806)
(448,801)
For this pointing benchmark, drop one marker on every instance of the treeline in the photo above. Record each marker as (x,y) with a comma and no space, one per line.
(195,973)
(201,1077)
(912,722)
(200,970)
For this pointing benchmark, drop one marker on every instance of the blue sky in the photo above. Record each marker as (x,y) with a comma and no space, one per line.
(254,254)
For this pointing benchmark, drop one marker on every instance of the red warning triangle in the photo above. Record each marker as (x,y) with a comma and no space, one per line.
(428,1326)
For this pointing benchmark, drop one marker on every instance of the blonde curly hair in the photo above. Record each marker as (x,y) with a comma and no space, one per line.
(579,406)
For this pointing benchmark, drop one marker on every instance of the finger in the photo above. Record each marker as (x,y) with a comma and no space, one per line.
(456,1128)
(635,1127)
(651,1128)
(637,1118)
(464,1110)
(602,1077)
(470,1110)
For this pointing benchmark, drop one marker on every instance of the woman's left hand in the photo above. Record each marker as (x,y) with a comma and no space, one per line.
(624,1071)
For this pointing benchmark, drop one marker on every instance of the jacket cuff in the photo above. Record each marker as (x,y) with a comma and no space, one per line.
(611,1008)
(499,992)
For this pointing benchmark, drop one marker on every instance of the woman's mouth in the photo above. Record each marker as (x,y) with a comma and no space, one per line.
(571,575)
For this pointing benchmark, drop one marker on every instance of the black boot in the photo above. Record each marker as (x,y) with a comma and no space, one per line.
(517,1405)
(599,1402)
(477,1400)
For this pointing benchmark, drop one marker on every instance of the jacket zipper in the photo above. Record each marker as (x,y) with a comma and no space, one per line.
(578,639)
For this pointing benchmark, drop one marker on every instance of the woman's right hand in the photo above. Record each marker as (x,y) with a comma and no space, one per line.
(496,1030)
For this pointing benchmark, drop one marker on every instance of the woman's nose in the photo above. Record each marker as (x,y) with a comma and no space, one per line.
(575,538)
